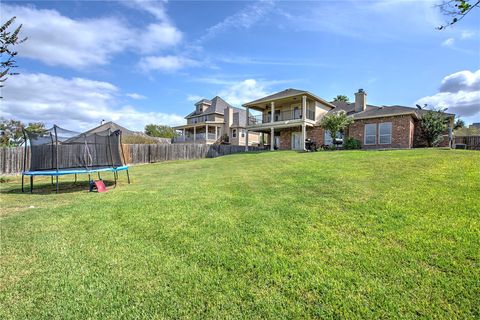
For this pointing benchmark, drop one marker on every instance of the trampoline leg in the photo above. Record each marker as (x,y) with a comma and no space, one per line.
(115,177)
(89,178)
(31,184)
(75,178)
(99,178)
(51,180)
(128,177)
(56,177)
(22,183)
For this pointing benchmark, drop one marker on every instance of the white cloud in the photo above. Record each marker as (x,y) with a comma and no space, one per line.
(75,103)
(56,39)
(461,81)
(158,36)
(135,96)
(243,19)
(448,42)
(244,91)
(460,92)
(165,63)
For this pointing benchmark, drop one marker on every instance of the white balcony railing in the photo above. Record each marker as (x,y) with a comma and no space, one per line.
(281,116)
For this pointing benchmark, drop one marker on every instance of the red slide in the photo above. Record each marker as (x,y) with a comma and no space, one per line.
(100,186)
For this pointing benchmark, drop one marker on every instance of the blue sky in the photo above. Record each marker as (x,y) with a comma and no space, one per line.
(137,62)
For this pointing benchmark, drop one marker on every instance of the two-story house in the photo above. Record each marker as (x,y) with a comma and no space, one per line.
(213,121)
(287,118)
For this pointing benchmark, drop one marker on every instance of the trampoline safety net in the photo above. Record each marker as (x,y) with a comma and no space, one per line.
(61,149)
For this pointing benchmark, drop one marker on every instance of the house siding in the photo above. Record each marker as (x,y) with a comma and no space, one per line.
(402,130)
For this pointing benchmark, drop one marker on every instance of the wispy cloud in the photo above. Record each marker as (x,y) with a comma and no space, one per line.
(448,42)
(167,63)
(194,98)
(366,20)
(254,61)
(135,96)
(243,19)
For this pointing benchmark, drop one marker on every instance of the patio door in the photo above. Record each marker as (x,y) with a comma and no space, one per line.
(296,139)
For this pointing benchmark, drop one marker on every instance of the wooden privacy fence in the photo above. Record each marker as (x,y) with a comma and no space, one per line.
(11,159)
(472,142)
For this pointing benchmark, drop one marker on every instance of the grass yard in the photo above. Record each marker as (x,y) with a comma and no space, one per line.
(353,234)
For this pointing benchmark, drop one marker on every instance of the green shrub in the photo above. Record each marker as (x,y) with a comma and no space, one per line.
(351,143)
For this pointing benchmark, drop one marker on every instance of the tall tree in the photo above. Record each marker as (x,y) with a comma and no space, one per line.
(433,125)
(8,40)
(11,131)
(161,131)
(342,98)
(456,10)
(459,123)
(335,122)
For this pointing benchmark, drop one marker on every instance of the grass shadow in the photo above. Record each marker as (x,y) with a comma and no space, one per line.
(42,188)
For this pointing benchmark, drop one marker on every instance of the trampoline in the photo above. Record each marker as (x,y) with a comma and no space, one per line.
(57,152)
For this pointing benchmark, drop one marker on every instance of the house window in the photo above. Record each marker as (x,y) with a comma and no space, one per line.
(328,137)
(296,113)
(205,118)
(234,133)
(243,133)
(385,133)
(370,134)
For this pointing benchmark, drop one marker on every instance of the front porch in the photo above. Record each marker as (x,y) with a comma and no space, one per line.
(204,133)
(289,136)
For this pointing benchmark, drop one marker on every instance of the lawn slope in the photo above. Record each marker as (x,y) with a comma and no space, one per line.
(377,234)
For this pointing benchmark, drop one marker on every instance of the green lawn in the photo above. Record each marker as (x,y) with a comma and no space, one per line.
(353,234)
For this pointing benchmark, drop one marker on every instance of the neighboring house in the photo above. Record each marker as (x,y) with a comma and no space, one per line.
(212,119)
(125,132)
(297,114)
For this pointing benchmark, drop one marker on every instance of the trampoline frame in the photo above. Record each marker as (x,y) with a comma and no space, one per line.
(75,171)
(59,172)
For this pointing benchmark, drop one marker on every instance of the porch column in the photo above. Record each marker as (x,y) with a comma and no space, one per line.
(194,133)
(216,135)
(206,133)
(272,106)
(304,108)
(246,140)
(272,138)
(183,134)
(304,136)
(248,117)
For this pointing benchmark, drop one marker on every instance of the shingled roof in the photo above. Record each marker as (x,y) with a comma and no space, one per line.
(217,105)
(113,127)
(285,94)
(372,111)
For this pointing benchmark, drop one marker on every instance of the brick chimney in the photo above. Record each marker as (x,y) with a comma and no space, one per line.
(360,100)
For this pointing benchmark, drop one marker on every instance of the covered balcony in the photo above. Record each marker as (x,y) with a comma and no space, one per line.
(198,133)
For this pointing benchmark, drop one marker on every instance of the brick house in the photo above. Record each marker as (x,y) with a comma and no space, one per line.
(285,119)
